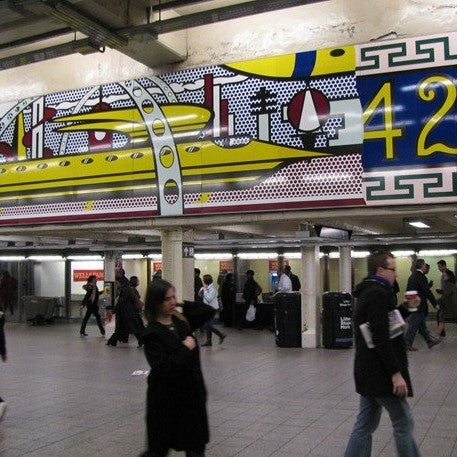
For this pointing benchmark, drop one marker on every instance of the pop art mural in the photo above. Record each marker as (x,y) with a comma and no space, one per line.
(335,127)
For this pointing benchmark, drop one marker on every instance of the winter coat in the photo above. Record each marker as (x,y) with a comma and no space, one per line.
(448,301)
(373,368)
(250,291)
(89,288)
(209,296)
(128,320)
(176,398)
(228,294)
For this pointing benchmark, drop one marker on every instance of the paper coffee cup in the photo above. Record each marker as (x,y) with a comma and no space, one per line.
(412,300)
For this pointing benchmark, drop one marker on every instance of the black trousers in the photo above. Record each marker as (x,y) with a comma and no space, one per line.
(92,310)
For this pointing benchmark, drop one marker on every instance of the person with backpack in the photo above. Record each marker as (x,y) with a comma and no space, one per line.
(296,285)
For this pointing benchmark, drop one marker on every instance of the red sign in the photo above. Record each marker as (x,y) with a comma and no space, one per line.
(156,266)
(82,275)
(226,265)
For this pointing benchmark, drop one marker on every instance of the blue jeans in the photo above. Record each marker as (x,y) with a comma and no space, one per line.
(417,323)
(368,420)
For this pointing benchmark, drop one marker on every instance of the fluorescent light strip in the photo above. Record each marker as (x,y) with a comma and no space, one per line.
(403,253)
(214,256)
(85,257)
(155,256)
(132,256)
(257,255)
(292,255)
(437,252)
(45,258)
(12,258)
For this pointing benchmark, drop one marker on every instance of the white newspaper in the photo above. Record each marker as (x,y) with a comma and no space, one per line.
(396,327)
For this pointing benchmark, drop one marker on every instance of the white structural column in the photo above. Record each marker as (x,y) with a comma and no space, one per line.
(178,261)
(310,303)
(109,265)
(345,270)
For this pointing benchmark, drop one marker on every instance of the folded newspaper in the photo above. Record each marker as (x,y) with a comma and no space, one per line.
(396,327)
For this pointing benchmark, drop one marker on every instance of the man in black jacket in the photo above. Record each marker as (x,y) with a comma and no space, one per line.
(296,286)
(418,281)
(381,372)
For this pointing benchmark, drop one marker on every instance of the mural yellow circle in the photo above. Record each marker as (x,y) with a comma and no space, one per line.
(166,157)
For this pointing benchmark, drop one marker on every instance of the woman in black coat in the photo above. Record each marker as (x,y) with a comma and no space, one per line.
(176,415)
(90,301)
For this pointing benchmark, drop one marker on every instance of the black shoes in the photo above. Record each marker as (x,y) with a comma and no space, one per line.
(83,334)
(222,338)
(110,343)
(433,342)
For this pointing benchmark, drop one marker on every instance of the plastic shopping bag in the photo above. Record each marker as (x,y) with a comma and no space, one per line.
(250,313)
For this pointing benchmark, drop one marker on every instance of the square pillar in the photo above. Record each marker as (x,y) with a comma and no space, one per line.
(310,291)
(178,261)
(345,270)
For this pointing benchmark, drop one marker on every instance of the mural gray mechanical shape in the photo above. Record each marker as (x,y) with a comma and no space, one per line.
(168,170)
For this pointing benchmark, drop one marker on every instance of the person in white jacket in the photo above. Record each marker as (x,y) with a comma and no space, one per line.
(285,284)
(209,294)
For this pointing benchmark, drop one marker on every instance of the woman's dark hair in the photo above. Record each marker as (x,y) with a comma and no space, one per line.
(207,279)
(229,277)
(155,296)
(91,278)
(450,275)
(133,281)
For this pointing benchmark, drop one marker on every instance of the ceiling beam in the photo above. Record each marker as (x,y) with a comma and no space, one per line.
(84,46)
(214,15)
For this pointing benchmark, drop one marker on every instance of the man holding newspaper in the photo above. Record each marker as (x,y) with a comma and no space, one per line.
(381,364)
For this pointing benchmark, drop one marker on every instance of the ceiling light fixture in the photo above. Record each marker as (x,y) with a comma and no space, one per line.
(419,224)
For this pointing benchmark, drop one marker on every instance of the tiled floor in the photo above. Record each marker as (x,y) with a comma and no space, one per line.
(72,396)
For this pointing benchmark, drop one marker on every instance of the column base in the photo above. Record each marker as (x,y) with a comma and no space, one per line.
(310,339)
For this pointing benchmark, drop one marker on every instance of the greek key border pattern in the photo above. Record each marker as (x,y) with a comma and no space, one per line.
(413,53)
(421,186)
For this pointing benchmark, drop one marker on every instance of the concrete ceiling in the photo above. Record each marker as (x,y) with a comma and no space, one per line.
(36,30)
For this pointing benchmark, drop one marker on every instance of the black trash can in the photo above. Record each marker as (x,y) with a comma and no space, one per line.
(337,320)
(288,319)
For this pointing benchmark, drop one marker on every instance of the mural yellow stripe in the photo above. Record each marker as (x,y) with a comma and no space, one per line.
(275,67)
(89,205)
(334,60)
(45,194)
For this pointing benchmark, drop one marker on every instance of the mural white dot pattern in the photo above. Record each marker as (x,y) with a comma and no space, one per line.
(327,177)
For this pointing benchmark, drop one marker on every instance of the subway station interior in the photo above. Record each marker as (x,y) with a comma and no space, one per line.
(159,136)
